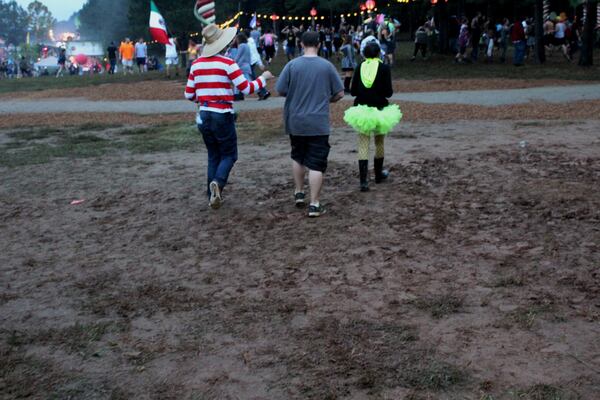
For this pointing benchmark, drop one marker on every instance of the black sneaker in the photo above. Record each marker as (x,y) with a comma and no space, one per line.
(299,198)
(316,211)
(266,95)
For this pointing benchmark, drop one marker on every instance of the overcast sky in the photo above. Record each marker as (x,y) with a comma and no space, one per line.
(61,9)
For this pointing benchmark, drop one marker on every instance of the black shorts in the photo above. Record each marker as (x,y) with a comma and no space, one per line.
(559,41)
(141,61)
(311,151)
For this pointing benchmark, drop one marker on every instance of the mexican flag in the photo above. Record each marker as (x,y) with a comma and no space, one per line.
(158,28)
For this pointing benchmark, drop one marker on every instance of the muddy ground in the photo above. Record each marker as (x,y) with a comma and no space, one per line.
(474,273)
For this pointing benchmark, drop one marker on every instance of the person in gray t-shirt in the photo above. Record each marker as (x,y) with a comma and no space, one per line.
(309,83)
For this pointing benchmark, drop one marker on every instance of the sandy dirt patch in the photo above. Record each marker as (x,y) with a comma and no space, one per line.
(413,112)
(473,272)
(173,90)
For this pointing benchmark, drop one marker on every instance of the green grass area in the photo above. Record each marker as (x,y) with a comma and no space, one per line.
(436,67)
(43,145)
(69,82)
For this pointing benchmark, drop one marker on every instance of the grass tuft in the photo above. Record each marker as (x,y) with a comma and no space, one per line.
(441,305)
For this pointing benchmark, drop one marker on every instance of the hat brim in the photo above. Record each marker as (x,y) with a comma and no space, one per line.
(226,38)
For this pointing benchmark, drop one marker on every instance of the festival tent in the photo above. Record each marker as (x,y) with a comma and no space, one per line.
(50,62)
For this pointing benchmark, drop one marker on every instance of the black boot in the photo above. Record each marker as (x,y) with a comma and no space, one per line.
(380,173)
(347,82)
(363,167)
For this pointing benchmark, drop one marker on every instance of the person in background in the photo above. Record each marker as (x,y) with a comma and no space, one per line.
(338,39)
(573,36)
(549,35)
(141,55)
(127,52)
(112,51)
(256,61)
(270,41)
(504,39)
(348,61)
(309,84)
(388,45)
(560,38)
(171,58)
(489,45)
(210,85)
(463,42)
(290,33)
(192,53)
(530,34)
(517,36)
(475,31)
(62,61)
(369,37)
(328,49)
(243,58)
(453,33)
(421,40)
(25,67)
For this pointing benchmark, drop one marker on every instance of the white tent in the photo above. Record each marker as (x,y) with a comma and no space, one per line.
(50,62)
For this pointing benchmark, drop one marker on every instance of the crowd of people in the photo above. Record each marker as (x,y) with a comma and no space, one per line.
(483,36)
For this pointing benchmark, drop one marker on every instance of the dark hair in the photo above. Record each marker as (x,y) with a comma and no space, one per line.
(310,39)
(242,38)
(372,50)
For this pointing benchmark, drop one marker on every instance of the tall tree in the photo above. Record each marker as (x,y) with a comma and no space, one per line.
(105,20)
(13,22)
(40,20)
(586,58)
(540,49)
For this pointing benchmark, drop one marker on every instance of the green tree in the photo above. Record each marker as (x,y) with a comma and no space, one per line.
(13,22)
(40,20)
(105,20)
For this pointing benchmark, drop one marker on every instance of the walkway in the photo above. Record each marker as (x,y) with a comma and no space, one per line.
(551,94)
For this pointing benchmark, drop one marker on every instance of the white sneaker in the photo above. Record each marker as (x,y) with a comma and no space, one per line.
(215,196)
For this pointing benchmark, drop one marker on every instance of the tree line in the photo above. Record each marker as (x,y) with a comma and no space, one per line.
(16,22)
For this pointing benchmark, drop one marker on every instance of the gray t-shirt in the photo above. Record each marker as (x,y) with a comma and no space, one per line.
(308,83)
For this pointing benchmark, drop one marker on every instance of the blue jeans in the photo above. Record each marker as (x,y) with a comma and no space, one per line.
(519,57)
(218,132)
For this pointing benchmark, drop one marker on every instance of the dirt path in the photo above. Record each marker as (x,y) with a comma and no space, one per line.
(472,273)
(550,94)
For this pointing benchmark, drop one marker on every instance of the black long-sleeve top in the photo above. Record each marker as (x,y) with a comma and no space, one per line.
(378,94)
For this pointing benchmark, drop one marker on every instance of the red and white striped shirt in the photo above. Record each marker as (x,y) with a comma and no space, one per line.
(210,83)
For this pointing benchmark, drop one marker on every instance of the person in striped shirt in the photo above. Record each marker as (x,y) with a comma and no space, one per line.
(210,85)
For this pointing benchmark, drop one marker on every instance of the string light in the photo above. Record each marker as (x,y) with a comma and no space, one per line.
(285,18)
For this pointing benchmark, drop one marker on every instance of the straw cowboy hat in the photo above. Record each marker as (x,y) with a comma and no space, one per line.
(216,39)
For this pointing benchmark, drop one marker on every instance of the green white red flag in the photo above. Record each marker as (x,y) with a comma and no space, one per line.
(158,28)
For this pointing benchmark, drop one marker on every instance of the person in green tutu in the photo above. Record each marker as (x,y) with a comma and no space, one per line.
(372,114)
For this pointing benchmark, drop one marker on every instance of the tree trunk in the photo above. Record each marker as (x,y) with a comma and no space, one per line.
(587,49)
(540,49)
(443,26)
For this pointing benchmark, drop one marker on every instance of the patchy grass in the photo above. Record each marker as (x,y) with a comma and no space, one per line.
(67,82)
(510,280)
(441,305)
(40,146)
(526,317)
(77,338)
(163,139)
(544,392)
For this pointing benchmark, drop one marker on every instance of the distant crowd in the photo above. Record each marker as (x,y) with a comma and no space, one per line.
(470,40)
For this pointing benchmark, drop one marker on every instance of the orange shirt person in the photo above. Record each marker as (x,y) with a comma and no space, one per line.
(127,51)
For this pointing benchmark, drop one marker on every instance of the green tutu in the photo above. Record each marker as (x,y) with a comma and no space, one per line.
(371,121)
